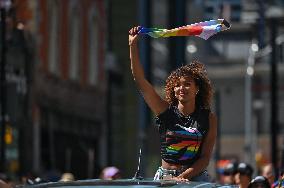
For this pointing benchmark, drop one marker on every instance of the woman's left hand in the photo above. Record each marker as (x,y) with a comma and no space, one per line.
(180,179)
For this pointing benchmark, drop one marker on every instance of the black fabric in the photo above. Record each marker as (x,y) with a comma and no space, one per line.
(182,136)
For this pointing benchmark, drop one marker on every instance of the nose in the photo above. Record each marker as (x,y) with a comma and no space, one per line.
(182,87)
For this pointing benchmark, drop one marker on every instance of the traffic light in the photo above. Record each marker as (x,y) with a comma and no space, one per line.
(8,134)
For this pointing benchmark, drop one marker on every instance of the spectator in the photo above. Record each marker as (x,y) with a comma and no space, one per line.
(259,182)
(4,184)
(67,177)
(268,172)
(243,175)
(229,173)
(280,181)
(110,173)
(5,181)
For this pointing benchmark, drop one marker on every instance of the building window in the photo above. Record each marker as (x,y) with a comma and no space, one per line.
(53,52)
(93,47)
(75,41)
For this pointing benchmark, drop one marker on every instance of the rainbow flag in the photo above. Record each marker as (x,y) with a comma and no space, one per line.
(202,29)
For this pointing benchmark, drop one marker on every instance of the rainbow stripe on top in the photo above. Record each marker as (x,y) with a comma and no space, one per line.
(188,145)
(202,29)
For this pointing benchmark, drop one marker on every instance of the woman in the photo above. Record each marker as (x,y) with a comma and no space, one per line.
(187,127)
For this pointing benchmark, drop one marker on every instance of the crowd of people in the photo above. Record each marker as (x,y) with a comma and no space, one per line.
(242,174)
(107,173)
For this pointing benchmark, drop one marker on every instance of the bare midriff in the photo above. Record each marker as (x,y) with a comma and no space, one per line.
(170,166)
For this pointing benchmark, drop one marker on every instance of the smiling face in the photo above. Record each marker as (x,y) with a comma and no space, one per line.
(185,89)
(197,72)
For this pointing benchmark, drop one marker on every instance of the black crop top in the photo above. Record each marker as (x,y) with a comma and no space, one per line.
(182,136)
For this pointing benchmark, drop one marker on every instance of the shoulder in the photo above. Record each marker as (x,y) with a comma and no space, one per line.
(168,109)
(212,116)
(206,114)
(164,117)
(163,108)
(212,119)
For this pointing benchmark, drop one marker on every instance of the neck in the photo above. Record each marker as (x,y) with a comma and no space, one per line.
(186,108)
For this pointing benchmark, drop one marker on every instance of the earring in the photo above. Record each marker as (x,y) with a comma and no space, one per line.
(197,92)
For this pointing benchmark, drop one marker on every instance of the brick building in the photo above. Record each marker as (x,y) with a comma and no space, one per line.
(67,132)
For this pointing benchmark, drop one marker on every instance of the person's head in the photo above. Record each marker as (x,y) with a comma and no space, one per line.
(110,173)
(259,182)
(194,82)
(268,172)
(67,177)
(3,184)
(279,182)
(244,174)
(229,173)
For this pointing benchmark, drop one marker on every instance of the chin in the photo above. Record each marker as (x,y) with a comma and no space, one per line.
(183,100)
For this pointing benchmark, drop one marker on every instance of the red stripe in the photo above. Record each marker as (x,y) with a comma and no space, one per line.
(190,30)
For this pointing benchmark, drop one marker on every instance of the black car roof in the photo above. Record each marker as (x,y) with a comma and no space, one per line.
(125,183)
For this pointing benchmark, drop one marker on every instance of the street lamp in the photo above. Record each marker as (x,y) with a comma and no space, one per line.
(249,149)
(191,48)
(4,6)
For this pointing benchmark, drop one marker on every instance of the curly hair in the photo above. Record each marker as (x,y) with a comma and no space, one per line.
(196,71)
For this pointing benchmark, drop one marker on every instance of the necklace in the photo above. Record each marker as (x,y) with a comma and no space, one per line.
(186,120)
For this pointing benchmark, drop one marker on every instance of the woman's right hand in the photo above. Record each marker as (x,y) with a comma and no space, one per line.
(133,35)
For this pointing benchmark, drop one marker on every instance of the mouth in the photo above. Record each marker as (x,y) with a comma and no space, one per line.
(182,94)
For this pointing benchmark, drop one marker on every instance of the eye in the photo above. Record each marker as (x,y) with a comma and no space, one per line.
(188,84)
(177,85)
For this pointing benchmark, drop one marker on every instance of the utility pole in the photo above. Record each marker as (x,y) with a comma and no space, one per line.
(273,94)
(177,12)
(274,15)
(249,149)
(145,56)
(218,139)
(3,88)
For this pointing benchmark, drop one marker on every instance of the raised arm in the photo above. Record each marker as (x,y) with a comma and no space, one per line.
(154,101)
